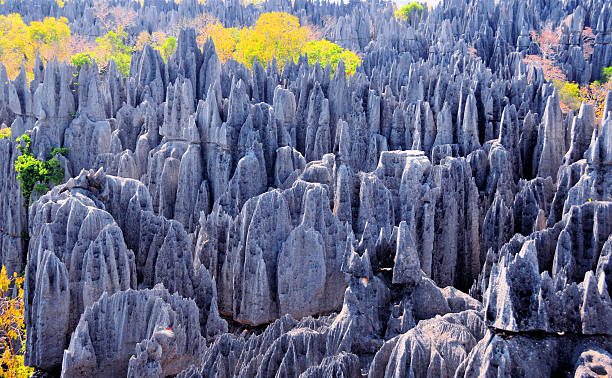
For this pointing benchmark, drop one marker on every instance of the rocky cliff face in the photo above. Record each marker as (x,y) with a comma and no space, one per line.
(435,214)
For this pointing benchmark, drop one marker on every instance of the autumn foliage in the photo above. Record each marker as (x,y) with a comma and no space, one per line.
(114,17)
(275,35)
(12,327)
(225,39)
(548,42)
(571,95)
(19,42)
(5,133)
(595,93)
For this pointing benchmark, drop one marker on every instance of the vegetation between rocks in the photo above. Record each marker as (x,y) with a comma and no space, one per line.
(37,175)
(407,11)
(571,95)
(275,35)
(12,327)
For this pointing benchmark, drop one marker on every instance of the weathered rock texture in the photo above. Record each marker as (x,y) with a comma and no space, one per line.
(434,214)
(164,329)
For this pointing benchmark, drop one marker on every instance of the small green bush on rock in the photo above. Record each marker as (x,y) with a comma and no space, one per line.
(34,174)
(81,59)
(606,74)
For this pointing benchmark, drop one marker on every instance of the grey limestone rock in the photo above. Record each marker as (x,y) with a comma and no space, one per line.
(76,254)
(500,355)
(469,126)
(407,267)
(593,362)
(553,139)
(443,160)
(298,267)
(565,302)
(12,210)
(87,139)
(78,245)
(580,134)
(425,350)
(151,332)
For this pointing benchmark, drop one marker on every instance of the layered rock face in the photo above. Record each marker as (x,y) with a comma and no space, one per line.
(434,214)
(163,327)
(91,238)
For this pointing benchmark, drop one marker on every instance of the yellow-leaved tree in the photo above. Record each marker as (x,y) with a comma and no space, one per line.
(5,132)
(50,37)
(20,42)
(225,39)
(12,327)
(15,45)
(276,34)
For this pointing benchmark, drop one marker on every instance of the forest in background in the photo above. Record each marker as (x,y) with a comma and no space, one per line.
(276,35)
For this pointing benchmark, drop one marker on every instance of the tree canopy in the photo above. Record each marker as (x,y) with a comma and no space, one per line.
(160,41)
(276,35)
(326,52)
(20,42)
(405,13)
(225,39)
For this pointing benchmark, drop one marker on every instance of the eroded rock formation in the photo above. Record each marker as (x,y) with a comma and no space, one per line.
(434,214)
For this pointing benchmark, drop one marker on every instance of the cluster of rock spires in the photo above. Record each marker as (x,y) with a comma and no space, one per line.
(435,214)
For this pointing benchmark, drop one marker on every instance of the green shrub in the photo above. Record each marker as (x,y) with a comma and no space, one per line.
(34,174)
(167,48)
(81,59)
(606,74)
(114,46)
(5,133)
(329,53)
(405,13)
(569,95)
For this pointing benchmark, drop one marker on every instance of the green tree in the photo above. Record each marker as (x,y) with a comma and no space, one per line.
(81,59)
(114,46)
(606,74)
(167,47)
(34,174)
(327,52)
(405,13)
